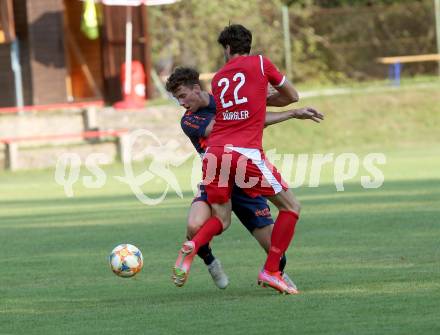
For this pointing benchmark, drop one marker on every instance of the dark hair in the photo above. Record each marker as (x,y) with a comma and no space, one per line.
(237,37)
(185,76)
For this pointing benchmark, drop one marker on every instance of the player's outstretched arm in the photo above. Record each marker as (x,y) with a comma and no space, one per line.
(308,113)
(285,95)
(300,113)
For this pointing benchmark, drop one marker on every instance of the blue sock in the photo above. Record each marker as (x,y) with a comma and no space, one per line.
(205,253)
(283,262)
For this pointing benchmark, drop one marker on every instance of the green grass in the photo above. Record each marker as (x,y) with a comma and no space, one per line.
(367,261)
(372,120)
(372,116)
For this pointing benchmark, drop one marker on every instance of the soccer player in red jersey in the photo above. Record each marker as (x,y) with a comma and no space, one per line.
(197,123)
(235,156)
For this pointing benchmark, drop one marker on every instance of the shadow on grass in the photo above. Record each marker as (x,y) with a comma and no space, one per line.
(112,210)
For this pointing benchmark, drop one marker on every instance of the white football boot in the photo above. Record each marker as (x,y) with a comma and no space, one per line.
(218,275)
(289,281)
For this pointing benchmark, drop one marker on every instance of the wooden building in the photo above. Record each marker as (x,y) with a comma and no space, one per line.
(58,62)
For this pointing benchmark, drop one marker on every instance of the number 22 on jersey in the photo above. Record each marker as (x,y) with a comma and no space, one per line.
(241,79)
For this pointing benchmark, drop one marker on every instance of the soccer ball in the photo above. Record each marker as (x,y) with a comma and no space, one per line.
(126,260)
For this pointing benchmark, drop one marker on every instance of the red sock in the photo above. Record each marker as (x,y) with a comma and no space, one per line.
(282,234)
(213,226)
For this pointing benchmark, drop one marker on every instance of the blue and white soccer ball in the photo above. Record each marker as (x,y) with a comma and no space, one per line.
(126,260)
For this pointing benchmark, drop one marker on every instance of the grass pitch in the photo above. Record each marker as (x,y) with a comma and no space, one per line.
(367,261)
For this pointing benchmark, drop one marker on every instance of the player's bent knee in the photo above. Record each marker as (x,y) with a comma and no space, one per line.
(225,222)
(193,227)
(291,206)
(296,206)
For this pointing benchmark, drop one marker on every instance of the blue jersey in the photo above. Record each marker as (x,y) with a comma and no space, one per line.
(194,125)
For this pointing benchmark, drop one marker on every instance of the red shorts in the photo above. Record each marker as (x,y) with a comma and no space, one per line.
(247,168)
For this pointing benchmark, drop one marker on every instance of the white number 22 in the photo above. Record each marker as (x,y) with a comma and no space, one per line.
(225,81)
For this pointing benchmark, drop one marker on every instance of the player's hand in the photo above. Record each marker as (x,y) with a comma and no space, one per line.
(308,113)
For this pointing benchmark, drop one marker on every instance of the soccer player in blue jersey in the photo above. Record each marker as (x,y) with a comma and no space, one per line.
(197,123)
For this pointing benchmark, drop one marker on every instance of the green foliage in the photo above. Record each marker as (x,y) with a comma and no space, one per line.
(350,39)
(340,3)
(191,39)
(188,32)
(328,44)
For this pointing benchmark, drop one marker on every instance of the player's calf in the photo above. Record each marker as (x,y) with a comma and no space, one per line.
(193,227)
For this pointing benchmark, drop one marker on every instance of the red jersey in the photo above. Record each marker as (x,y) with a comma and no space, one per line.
(240,90)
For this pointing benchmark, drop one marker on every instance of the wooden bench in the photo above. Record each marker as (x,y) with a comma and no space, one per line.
(11,143)
(395,64)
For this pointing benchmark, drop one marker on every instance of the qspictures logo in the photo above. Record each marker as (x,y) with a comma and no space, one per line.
(298,170)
